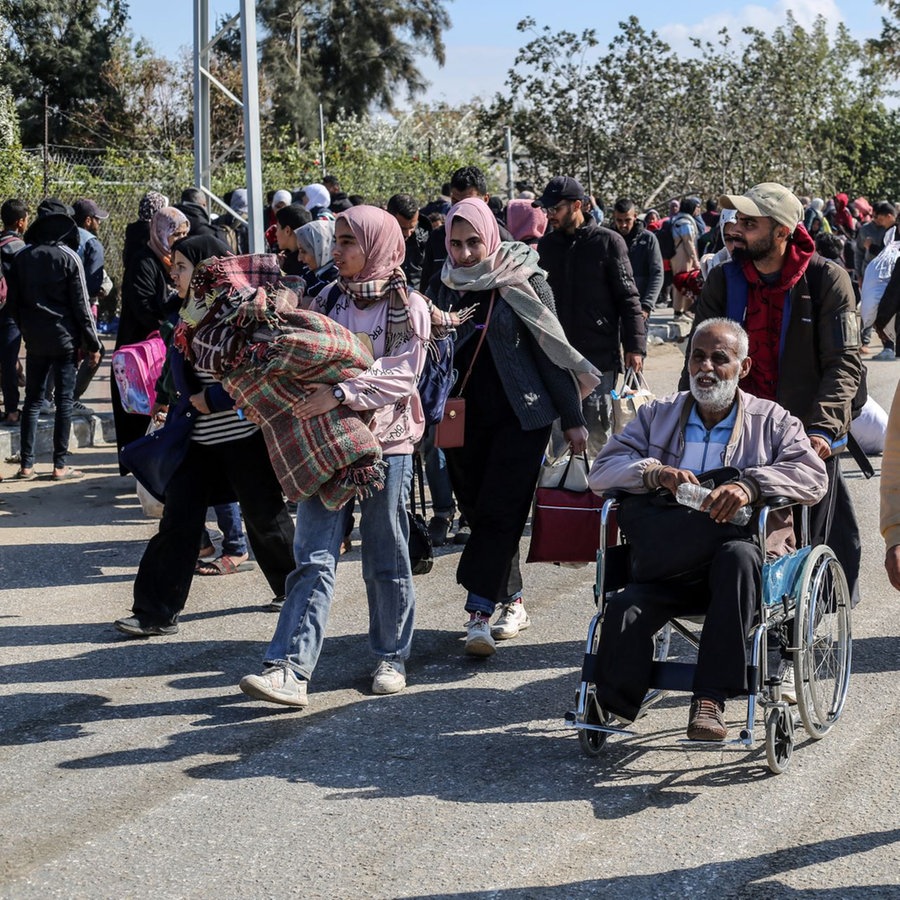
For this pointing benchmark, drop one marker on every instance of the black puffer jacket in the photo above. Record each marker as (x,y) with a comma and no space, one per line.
(48,296)
(596,296)
(646,264)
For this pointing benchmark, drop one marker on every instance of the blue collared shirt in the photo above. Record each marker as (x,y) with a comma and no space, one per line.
(705,448)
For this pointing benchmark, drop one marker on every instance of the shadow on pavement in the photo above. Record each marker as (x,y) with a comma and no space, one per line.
(730,878)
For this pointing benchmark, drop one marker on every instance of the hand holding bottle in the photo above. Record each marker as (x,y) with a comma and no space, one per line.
(726,503)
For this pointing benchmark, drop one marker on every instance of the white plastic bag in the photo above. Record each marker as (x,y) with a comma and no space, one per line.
(877,275)
(630,397)
(870,427)
(569,472)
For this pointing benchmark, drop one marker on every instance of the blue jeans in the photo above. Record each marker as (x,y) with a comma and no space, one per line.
(384,532)
(37,368)
(228,517)
(438,477)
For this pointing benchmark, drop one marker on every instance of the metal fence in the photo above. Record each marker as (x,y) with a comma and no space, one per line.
(115,181)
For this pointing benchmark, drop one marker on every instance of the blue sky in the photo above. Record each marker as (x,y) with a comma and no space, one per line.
(483,41)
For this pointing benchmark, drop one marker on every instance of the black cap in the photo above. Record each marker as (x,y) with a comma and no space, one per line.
(85,208)
(54,207)
(562,187)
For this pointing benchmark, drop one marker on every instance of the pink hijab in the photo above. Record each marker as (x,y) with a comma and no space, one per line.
(379,237)
(163,225)
(478,214)
(524,221)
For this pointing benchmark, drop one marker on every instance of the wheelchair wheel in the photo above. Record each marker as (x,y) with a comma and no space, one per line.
(779,739)
(592,741)
(823,642)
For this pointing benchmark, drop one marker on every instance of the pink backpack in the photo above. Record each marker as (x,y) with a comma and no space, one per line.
(135,370)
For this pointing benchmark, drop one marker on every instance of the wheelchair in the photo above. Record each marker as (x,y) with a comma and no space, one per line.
(804,595)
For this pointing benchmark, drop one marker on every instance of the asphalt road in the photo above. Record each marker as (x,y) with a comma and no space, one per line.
(137,769)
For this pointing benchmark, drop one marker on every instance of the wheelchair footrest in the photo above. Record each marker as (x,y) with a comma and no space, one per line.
(673,676)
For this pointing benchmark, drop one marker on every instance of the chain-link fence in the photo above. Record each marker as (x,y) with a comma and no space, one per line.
(113,180)
(373,160)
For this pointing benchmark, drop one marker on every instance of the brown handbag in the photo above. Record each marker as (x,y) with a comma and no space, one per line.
(450,432)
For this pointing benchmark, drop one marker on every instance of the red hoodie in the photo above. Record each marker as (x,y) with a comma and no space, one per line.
(843,216)
(765,313)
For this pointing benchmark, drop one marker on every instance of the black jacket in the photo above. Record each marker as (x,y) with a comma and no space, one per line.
(147,297)
(646,264)
(596,296)
(538,391)
(48,295)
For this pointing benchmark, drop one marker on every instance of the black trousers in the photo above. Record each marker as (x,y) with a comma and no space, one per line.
(832,521)
(728,597)
(240,467)
(494,476)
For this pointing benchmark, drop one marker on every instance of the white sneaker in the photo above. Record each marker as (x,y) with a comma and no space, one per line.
(277,684)
(478,637)
(389,677)
(788,688)
(513,619)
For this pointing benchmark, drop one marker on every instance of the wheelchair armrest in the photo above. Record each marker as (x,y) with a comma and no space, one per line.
(615,494)
(778,502)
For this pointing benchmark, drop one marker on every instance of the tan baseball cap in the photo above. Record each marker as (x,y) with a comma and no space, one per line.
(770,200)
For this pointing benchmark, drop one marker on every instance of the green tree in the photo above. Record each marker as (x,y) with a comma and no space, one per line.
(58,47)
(347,54)
(796,106)
(886,46)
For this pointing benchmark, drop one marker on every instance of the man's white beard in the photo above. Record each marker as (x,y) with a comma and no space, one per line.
(717,397)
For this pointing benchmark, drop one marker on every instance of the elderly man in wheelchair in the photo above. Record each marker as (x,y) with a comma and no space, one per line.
(689,562)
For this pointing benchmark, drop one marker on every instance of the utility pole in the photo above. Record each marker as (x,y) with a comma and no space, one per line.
(509,164)
(322,140)
(203,78)
(46,143)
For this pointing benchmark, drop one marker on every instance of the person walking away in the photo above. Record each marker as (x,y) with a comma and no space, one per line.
(48,298)
(14,216)
(88,216)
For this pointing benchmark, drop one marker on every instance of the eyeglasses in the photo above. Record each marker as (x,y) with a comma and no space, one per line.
(553,210)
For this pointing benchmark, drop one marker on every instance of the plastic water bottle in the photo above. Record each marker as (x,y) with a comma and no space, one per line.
(693,495)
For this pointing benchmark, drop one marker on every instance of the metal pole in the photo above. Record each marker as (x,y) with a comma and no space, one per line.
(590,170)
(202,140)
(46,143)
(509,164)
(252,148)
(322,139)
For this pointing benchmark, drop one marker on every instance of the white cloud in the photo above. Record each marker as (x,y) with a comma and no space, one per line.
(763,18)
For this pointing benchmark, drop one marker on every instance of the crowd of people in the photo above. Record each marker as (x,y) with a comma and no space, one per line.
(293,379)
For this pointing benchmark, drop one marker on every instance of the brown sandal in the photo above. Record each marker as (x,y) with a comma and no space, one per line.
(223,565)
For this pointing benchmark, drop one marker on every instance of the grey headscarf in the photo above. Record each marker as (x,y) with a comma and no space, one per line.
(317,239)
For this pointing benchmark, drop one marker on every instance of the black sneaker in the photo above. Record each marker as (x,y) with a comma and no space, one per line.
(463,533)
(135,626)
(438,529)
(275,604)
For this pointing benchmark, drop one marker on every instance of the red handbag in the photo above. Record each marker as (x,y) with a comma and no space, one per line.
(565,526)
